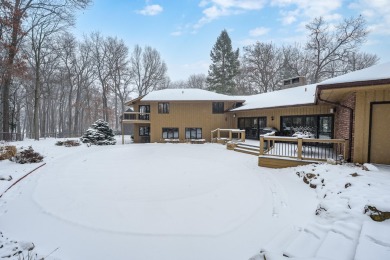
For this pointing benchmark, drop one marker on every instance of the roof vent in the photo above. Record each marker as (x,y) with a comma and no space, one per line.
(294,82)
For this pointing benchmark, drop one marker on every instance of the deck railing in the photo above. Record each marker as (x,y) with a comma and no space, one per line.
(304,148)
(133,116)
(227,134)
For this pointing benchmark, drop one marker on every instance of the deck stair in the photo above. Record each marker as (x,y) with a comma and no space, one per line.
(339,241)
(247,148)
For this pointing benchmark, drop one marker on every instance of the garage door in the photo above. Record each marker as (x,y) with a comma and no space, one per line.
(380,133)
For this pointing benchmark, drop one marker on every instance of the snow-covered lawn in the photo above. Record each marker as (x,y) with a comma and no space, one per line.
(172,201)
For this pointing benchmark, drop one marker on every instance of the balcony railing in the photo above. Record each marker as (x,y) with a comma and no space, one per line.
(304,148)
(218,135)
(136,116)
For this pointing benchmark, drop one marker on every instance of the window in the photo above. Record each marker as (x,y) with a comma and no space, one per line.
(144,112)
(163,108)
(144,131)
(193,133)
(253,126)
(170,133)
(316,126)
(218,107)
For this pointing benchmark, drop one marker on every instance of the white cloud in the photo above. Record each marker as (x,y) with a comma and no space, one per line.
(213,9)
(151,10)
(176,33)
(377,13)
(259,31)
(308,9)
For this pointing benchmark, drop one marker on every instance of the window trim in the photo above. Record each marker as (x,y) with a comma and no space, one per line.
(164,108)
(196,132)
(217,109)
(139,131)
(317,116)
(170,128)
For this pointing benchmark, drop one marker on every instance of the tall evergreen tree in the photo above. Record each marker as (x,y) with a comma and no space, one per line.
(225,66)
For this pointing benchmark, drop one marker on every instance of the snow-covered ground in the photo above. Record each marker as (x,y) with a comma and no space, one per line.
(184,201)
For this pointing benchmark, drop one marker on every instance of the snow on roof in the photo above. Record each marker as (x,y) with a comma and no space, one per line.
(377,72)
(301,95)
(187,95)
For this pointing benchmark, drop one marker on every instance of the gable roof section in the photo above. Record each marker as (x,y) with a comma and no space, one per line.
(374,75)
(302,95)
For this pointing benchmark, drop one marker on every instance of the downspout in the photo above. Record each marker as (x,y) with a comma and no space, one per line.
(351,113)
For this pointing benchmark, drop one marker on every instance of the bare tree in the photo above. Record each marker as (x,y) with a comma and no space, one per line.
(100,56)
(197,81)
(263,62)
(13,29)
(326,46)
(120,75)
(360,60)
(296,62)
(148,69)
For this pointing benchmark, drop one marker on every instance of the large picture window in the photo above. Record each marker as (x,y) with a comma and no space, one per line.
(163,108)
(314,126)
(193,133)
(218,108)
(170,133)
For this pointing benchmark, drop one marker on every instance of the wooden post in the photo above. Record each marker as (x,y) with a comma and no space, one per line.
(230,135)
(123,132)
(299,149)
(243,136)
(261,145)
(218,134)
(346,152)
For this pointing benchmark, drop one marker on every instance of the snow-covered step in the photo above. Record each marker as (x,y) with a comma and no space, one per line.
(307,242)
(343,236)
(247,151)
(374,241)
(278,243)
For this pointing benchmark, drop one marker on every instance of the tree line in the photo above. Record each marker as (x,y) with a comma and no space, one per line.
(329,51)
(54,84)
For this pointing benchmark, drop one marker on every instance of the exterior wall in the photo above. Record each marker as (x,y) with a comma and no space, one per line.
(196,114)
(362,119)
(276,113)
(342,120)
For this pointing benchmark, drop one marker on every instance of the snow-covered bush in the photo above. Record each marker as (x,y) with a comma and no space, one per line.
(68,143)
(99,133)
(27,156)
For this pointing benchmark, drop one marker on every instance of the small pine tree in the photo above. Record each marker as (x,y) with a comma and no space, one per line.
(225,66)
(99,133)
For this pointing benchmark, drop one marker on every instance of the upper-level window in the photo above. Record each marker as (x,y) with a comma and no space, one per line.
(144,112)
(218,107)
(163,108)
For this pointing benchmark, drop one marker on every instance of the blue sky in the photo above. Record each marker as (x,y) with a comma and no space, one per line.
(184,31)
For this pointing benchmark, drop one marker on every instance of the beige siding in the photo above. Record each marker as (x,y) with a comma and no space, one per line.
(197,114)
(284,111)
(362,119)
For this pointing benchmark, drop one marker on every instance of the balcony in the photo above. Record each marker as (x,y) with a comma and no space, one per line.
(136,118)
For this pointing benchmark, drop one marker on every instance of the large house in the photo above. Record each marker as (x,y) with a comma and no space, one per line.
(353,107)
